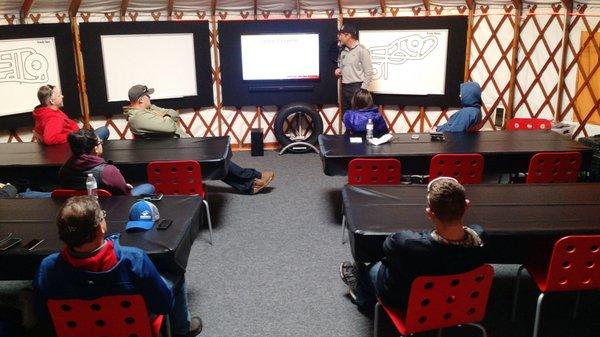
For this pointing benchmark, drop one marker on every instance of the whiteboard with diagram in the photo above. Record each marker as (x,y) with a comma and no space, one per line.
(25,65)
(407,62)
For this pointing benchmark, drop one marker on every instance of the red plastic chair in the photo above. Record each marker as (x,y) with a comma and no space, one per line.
(179,177)
(528,124)
(372,171)
(67,193)
(437,302)
(574,265)
(122,315)
(554,167)
(467,168)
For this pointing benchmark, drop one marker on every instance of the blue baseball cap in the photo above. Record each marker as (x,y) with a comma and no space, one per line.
(142,215)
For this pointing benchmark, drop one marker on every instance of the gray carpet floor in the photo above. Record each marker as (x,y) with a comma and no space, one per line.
(273,268)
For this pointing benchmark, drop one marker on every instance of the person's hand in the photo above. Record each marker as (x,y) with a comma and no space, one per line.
(338,72)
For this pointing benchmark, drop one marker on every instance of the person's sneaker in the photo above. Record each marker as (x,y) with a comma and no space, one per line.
(195,328)
(262,182)
(348,274)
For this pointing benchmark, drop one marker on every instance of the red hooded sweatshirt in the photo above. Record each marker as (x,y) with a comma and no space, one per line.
(53,126)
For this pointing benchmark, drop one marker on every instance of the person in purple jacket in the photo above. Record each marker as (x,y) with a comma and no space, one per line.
(358,116)
(469,116)
(87,158)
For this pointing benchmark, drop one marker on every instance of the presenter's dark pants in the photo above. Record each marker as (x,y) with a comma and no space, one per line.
(348,90)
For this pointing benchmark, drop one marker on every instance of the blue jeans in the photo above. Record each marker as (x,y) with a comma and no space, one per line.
(29,194)
(242,179)
(366,296)
(143,189)
(179,316)
(102,133)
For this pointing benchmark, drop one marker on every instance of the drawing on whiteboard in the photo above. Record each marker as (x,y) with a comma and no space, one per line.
(407,48)
(23,65)
(407,62)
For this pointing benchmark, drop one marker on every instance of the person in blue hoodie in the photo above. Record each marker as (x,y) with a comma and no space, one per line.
(470,115)
(358,116)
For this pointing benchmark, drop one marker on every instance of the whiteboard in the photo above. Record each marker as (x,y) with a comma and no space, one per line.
(25,66)
(165,62)
(280,56)
(407,62)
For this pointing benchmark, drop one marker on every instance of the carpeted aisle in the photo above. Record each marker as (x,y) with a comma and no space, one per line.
(273,268)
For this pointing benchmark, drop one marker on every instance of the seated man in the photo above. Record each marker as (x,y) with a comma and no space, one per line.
(52,125)
(91,266)
(467,118)
(146,120)
(87,158)
(450,248)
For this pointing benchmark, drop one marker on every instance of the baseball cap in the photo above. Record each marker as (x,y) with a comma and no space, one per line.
(142,215)
(349,29)
(138,91)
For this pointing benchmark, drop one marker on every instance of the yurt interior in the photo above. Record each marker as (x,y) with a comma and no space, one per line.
(298,168)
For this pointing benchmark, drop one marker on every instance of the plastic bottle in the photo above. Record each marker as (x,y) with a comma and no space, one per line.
(369,129)
(91,185)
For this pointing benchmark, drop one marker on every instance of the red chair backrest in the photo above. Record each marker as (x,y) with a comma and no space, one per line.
(467,168)
(176,177)
(574,264)
(67,193)
(554,167)
(374,171)
(528,124)
(121,315)
(436,302)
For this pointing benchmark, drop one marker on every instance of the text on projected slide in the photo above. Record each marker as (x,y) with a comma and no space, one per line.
(280,56)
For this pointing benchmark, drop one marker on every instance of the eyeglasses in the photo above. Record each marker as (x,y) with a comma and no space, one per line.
(100,142)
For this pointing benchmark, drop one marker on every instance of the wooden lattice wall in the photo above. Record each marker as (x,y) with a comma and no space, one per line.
(525,56)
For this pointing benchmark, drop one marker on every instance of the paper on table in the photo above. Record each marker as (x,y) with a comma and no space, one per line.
(356,140)
(383,139)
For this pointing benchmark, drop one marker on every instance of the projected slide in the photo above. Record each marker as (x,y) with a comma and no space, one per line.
(164,62)
(407,62)
(26,65)
(280,56)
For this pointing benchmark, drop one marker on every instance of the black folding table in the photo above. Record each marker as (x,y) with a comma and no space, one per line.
(517,217)
(35,219)
(503,151)
(40,163)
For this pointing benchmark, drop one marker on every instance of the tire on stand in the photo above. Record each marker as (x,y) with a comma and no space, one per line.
(303,124)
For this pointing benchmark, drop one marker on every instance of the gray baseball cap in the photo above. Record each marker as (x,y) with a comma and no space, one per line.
(138,91)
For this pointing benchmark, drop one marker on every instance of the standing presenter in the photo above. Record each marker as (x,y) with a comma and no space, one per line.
(354,64)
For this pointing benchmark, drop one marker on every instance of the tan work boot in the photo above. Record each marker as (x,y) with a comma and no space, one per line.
(263,181)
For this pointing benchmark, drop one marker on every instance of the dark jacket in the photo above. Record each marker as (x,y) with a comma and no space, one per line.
(409,254)
(356,122)
(470,115)
(53,126)
(74,173)
(134,273)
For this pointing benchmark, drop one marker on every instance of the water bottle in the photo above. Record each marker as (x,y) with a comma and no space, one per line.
(91,185)
(370,129)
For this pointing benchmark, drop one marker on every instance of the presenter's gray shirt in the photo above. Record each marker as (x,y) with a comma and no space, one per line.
(356,65)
